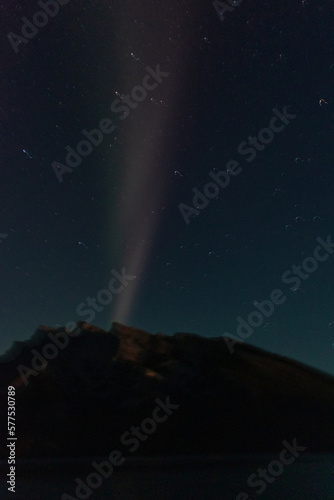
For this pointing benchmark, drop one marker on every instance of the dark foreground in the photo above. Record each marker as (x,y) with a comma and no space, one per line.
(189,394)
(176,478)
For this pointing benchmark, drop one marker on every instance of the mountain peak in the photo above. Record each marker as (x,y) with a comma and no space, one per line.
(81,391)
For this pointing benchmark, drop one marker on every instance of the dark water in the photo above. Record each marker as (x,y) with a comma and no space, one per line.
(176,478)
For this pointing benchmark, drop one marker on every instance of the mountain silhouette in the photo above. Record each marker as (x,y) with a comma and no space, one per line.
(94,386)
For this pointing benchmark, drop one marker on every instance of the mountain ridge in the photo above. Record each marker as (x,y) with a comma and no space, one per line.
(81,401)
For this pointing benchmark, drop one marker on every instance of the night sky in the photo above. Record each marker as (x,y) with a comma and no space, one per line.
(71,224)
